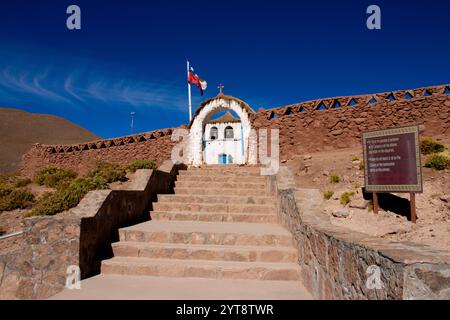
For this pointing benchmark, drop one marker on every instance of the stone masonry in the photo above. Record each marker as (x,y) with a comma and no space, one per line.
(333,122)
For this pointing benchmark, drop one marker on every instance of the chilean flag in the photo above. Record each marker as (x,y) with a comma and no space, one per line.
(193,78)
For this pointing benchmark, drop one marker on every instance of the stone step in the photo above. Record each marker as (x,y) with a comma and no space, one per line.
(221,191)
(214,217)
(220,233)
(214,207)
(221,178)
(121,287)
(204,252)
(223,185)
(201,269)
(221,199)
(237,173)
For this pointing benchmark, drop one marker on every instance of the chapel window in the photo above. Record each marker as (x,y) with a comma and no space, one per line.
(213,133)
(229,133)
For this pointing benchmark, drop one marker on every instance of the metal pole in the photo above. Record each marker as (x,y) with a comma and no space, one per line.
(132,122)
(189,94)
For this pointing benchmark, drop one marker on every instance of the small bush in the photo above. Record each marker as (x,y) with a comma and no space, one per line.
(345,197)
(355,158)
(370,206)
(334,178)
(67,197)
(438,162)
(109,171)
(2,232)
(5,189)
(429,146)
(17,199)
(51,177)
(141,164)
(328,194)
(22,182)
(361,166)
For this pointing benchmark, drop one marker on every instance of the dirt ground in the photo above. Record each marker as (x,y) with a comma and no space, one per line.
(433,205)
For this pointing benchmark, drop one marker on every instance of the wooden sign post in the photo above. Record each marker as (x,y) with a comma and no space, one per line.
(392,164)
(375,202)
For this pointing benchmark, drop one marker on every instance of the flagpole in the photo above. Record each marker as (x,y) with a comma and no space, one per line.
(189,94)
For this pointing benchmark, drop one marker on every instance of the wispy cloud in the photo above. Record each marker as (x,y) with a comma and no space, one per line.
(28,83)
(88,88)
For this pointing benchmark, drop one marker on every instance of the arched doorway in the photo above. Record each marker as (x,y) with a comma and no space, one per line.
(204,114)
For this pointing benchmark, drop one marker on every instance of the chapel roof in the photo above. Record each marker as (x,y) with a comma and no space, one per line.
(226,118)
(224,97)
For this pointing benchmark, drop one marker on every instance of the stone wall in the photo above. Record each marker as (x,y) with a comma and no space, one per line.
(80,237)
(311,126)
(155,145)
(335,123)
(334,260)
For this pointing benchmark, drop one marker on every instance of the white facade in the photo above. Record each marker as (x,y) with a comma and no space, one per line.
(224,148)
(214,105)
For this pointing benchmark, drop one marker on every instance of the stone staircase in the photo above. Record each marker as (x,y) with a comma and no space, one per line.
(221,223)
(217,237)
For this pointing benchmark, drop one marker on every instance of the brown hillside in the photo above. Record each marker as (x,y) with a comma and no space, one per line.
(19,130)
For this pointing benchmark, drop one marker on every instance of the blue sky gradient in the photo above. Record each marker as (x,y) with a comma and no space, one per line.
(131,55)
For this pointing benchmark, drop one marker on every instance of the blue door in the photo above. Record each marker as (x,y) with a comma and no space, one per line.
(222,159)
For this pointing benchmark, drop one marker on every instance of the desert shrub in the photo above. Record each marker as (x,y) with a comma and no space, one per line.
(438,162)
(328,194)
(370,205)
(68,196)
(355,158)
(51,177)
(22,182)
(345,197)
(334,178)
(141,164)
(2,232)
(361,166)
(429,146)
(111,172)
(16,199)
(5,189)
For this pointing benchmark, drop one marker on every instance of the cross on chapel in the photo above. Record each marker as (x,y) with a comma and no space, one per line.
(220,87)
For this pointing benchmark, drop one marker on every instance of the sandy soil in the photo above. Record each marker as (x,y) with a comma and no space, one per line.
(433,212)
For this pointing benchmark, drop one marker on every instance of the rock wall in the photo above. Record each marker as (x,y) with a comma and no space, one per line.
(335,123)
(311,126)
(155,145)
(336,262)
(80,237)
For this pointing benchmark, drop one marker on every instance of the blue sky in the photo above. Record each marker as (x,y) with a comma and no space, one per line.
(131,55)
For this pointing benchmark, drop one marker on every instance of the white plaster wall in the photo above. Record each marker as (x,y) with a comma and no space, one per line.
(221,145)
(196,132)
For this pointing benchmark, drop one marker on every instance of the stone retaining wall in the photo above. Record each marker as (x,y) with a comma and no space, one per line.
(335,123)
(80,237)
(335,260)
(310,126)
